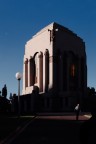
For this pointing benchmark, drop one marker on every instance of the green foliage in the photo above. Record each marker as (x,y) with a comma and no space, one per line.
(4,105)
(91,91)
(10,97)
(90,100)
(4,91)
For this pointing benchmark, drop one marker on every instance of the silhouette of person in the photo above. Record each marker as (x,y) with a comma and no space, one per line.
(88,128)
(77,111)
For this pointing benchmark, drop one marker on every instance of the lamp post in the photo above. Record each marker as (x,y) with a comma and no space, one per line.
(18,77)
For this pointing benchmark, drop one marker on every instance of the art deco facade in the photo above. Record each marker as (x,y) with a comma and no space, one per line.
(55,63)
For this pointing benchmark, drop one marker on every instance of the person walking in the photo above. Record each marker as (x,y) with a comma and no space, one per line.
(77,111)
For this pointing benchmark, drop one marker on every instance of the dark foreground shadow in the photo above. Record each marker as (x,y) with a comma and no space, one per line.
(44,131)
(88,128)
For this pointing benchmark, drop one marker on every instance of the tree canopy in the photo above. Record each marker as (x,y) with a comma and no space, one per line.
(4,91)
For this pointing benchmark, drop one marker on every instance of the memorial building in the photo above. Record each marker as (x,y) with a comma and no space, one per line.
(54,67)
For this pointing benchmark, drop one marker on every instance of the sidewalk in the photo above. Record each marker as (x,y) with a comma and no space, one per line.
(61,114)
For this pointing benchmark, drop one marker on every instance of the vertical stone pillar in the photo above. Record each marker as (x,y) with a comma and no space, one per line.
(51,72)
(23,78)
(40,72)
(36,65)
(68,72)
(64,71)
(34,71)
(57,71)
(84,75)
(26,73)
(43,72)
(46,71)
(79,74)
(61,73)
(29,73)
(79,96)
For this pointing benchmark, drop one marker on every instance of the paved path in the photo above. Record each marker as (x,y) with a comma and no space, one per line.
(51,130)
(66,117)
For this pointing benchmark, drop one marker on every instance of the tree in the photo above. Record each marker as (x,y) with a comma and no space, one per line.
(0,93)
(10,97)
(88,101)
(4,91)
(91,91)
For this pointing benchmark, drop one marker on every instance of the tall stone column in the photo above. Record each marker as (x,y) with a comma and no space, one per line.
(43,72)
(61,73)
(29,73)
(51,72)
(84,74)
(26,73)
(58,72)
(23,78)
(64,71)
(68,73)
(79,74)
(40,72)
(46,71)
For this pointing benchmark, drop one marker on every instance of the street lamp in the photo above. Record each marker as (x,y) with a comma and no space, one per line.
(18,77)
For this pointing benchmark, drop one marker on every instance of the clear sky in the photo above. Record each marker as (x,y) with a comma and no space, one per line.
(21,19)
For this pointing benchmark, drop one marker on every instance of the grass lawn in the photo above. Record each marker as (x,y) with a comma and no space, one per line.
(9,124)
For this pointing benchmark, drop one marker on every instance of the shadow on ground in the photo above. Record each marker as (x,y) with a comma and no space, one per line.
(45,131)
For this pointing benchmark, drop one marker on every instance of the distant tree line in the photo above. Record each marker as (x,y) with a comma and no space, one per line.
(4,102)
(89,100)
(4,92)
(91,91)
